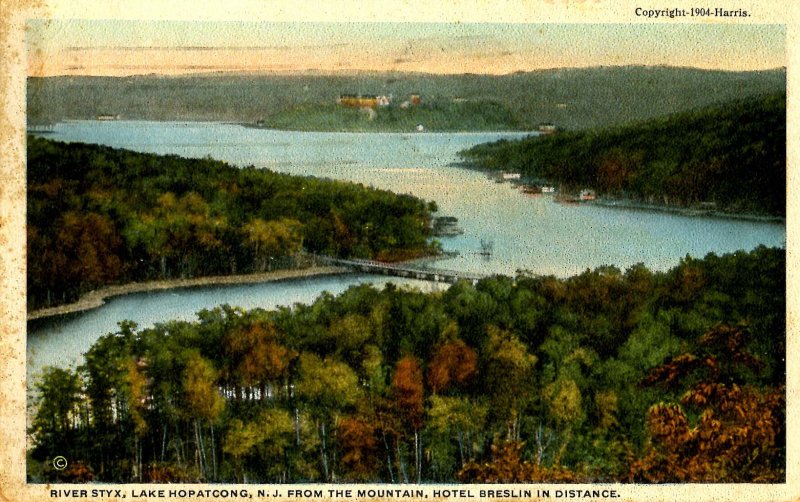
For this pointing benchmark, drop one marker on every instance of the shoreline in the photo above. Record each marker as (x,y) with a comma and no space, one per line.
(97,298)
(385,131)
(683,211)
(633,205)
(247,125)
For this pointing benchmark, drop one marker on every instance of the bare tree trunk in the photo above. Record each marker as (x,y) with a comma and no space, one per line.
(417,455)
(333,460)
(296,426)
(140,460)
(323,450)
(199,448)
(542,444)
(461,447)
(136,474)
(164,443)
(402,464)
(213,454)
(179,448)
(388,456)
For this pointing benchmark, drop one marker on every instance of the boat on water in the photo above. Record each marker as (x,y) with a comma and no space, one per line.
(531,189)
(585,195)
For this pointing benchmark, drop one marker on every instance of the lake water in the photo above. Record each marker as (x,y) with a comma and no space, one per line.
(530,233)
(62,341)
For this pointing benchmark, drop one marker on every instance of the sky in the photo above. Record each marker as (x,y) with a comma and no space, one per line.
(124,47)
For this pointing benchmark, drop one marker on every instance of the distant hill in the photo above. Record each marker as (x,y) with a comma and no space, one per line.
(730,156)
(569,98)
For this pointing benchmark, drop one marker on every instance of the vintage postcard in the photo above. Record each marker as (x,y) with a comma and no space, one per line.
(523,250)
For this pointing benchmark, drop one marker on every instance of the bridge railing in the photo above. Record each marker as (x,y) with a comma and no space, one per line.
(401,267)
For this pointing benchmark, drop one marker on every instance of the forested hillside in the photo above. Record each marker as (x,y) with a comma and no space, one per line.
(434,116)
(606,376)
(570,98)
(99,216)
(730,156)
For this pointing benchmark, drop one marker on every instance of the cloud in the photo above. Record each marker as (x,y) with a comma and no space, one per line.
(168,48)
(491,55)
(201,48)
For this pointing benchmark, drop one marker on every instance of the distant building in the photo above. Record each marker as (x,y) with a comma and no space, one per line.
(363,100)
(40,126)
(547,128)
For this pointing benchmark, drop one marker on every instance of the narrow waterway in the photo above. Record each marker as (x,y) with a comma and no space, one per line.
(535,234)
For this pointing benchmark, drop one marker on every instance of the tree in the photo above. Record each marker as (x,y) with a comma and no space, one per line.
(105,370)
(254,357)
(409,398)
(507,466)
(203,402)
(55,427)
(273,239)
(455,421)
(90,247)
(182,229)
(359,448)
(453,364)
(327,387)
(737,437)
(240,441)
(137,400)
(508,377)
(565,407)
(264,441)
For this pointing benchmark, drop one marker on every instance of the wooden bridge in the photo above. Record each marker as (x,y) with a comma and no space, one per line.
(403,269)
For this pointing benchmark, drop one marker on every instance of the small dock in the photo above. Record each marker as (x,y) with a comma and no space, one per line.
(40,127)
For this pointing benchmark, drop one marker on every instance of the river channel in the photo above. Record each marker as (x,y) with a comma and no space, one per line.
(536,234)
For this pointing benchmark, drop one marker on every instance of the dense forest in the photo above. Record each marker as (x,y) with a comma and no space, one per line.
(99,216)
(570,98)
(641,376)
(730,156)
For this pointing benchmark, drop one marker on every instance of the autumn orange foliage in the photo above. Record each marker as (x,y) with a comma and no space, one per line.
(738,433)
(507,466)
(408,391)
(453,363)
(359,448)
